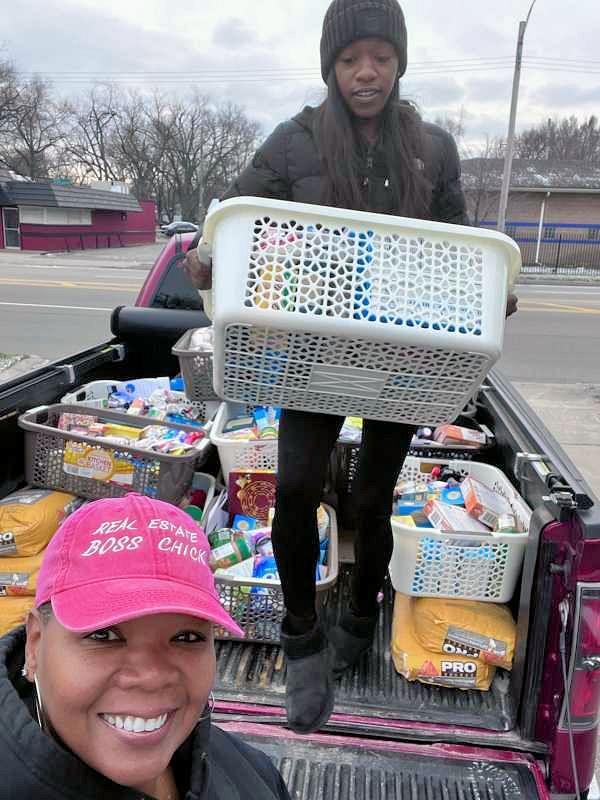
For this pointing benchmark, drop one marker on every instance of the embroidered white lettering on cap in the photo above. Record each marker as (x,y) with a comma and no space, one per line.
(122,558)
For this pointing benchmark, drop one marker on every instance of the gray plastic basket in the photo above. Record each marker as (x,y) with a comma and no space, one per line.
(257,605)
(164,477)
(196,369)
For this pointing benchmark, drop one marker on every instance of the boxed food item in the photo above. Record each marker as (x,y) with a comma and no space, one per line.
(457,435)
(251,493)
(452,518)
(13,612)
(483,503)
(485,631)
(29,518)
(416,663)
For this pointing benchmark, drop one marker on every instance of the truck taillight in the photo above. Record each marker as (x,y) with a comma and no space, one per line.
(584,671)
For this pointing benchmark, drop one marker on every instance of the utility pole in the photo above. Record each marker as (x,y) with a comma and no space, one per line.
(510,141)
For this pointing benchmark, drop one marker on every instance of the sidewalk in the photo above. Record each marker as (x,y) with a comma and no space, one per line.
(140,257)
(571,412)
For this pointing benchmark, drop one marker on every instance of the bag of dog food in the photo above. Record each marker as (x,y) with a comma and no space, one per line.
(416,663)
(466,627)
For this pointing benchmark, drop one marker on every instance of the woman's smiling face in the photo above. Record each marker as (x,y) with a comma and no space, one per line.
(125,698)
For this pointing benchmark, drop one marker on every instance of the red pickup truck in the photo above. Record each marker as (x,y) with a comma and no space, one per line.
(532,735)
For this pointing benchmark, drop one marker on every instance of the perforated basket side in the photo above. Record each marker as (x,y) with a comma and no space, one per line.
(470,566)
(155,475)
(240,455)
(257,605)
(196,370)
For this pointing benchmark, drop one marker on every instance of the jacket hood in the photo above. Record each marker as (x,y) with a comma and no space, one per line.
(30,757)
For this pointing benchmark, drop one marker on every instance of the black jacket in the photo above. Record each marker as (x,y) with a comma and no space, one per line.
(287,167)
(211,765)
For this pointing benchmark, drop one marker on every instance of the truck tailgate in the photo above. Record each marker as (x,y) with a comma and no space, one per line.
(325,767)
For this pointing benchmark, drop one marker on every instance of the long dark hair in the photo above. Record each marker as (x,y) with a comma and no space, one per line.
(404,150)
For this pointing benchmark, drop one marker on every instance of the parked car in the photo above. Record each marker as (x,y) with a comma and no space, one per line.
(178,227)
(389,738)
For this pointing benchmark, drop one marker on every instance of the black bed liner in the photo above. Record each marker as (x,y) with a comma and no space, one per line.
(255,674)
(344,768)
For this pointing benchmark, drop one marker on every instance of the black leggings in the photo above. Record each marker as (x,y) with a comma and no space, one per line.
(305,444)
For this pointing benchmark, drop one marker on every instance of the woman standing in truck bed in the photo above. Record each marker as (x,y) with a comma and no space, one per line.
(366,149)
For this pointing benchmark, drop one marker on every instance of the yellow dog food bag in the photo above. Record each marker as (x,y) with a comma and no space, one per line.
(29,518)
(416,663)
(466,627)
(13,611)
(18,576)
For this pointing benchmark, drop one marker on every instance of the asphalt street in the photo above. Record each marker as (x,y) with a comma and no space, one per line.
(53,309)
(52,306)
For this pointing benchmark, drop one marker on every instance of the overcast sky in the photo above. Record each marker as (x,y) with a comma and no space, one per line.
(264,54)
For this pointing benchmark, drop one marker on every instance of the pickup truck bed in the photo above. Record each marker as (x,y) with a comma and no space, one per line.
(387,738)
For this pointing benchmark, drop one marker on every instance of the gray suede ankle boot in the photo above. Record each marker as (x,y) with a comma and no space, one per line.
(352,637)
(309,695)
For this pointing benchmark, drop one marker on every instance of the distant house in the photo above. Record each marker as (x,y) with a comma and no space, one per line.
(57,216)
(553,207)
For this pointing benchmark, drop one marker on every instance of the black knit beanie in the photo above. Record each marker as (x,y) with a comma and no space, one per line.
(348,20)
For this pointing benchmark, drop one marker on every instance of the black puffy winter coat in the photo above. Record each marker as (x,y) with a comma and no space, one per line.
(287,167)
(210,765)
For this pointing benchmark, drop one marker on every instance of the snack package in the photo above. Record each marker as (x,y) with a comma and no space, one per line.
(18,576)
(485,631)
(483,503)
(228,548)
(243,523)
(29,518)
(455,434)
(13,611)
(416,663)
(452,518)
(242,570)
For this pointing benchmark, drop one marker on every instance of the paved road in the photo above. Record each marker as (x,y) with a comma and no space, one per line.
(52,312)
(53,305)
(555,337)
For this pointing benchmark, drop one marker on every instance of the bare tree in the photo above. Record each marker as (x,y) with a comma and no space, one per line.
(481,171)
(33,141)
(564,139)
(9,94)
(455,125)
(93,124)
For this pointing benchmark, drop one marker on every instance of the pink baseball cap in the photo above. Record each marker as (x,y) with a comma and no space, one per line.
(117,559)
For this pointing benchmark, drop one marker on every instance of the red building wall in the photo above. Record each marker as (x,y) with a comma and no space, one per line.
(108,229)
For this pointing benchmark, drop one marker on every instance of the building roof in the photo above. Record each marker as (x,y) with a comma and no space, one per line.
(24,193)
(532,175)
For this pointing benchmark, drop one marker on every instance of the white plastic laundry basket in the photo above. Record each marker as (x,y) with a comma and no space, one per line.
(342,312)
(470,566)
(239,454)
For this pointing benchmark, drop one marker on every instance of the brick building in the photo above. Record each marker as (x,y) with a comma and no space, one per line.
(46,216)
(553,208)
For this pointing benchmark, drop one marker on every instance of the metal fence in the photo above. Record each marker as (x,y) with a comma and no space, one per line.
(574,250)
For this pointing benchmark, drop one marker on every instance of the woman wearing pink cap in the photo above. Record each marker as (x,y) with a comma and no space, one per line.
(106,693)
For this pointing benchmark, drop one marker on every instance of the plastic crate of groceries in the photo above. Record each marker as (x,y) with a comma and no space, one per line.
(353,313)
(427,562)
(235,454)
(345,463)
(97,393)
(201,482)
(257,605)
(91,468)
(196,367)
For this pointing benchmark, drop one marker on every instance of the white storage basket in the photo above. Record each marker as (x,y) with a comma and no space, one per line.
(342,312)
(236,454)
(470,566)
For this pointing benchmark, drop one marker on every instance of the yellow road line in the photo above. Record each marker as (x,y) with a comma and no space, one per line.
(557,308)
(69,285)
